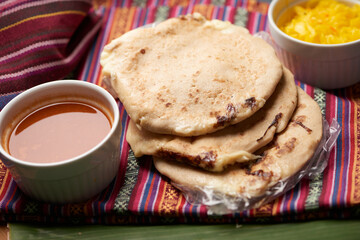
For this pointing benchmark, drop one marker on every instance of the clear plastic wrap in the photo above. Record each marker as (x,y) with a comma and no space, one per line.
(219,203)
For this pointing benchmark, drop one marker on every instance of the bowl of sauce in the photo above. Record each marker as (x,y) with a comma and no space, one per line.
(318,40)
(79,127)
(60,140)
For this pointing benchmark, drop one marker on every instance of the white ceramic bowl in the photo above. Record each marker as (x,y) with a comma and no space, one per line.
(327,66)
(76,179)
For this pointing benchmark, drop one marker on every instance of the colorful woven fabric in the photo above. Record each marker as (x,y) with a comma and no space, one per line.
(42,40)
(139,194)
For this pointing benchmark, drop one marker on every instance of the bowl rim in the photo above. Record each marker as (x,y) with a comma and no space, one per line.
(319,45)
(43,87)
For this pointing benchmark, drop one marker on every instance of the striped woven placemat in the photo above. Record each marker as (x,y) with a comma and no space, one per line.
(140,194)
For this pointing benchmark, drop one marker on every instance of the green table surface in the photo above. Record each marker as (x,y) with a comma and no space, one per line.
(320,229)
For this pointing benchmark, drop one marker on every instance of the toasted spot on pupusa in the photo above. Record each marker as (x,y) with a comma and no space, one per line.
(188,76)
(283,158)
(235,143)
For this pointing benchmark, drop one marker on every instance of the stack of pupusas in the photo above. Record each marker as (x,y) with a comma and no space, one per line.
(213,105)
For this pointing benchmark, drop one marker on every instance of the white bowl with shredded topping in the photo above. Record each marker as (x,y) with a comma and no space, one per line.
(326,66)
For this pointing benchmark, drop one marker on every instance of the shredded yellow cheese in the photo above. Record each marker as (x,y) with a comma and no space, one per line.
(323,22)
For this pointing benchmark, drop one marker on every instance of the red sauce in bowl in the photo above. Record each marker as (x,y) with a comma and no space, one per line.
(57,132)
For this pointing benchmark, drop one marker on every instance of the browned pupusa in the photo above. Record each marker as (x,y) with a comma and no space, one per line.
(235,143)
(188,76)
(289,152)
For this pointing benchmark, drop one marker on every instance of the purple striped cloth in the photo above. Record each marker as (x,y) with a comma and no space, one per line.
(43,40)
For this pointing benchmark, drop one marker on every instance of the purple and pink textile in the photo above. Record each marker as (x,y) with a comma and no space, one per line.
(46,40)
